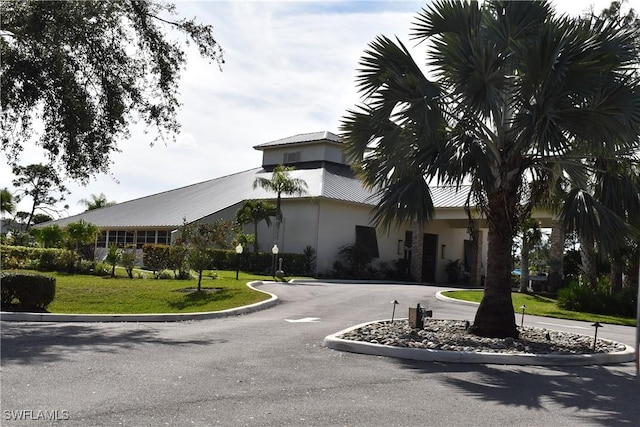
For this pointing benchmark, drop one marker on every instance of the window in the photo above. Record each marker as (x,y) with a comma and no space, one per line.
(292,157)
(408,239)
(163,237)
(367,240)
(145,236)
(120,238)
(102,240)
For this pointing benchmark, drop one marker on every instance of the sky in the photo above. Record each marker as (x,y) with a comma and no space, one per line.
(290,68)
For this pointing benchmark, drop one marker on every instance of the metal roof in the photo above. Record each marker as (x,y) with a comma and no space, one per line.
(196,201)
(301,138)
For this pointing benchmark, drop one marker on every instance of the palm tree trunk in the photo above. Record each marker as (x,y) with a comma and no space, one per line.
(588,262)
(617,270)
(524,264)
(278,219)
(556,263)
(495,316)
(255,237)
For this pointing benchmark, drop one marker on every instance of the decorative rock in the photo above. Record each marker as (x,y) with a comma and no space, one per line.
(451,335)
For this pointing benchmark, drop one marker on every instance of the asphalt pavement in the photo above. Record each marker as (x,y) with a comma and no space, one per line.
(269,368)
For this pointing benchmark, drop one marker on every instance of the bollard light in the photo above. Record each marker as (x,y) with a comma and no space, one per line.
(274,251)
(523,308)
(239,250)
(393,313)
(595,337)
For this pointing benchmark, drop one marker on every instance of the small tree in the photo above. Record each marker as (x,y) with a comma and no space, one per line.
(81,234)
(252,212)
(198,238)
(50,236)
(128,260)
(113,257)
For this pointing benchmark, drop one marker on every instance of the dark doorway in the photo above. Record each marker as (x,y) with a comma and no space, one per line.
(429,257)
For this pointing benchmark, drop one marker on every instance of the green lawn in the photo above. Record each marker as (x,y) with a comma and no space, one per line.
(121,295)
(543,306)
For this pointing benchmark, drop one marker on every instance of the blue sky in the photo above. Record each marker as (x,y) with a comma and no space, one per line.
(289,69)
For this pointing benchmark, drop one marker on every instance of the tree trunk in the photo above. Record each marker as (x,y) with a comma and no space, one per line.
(556,263)
(617,270)
(255,237)
(495,316)
(524,264)
(588,261)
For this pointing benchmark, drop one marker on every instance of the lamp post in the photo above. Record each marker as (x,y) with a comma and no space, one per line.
(239,250)
(274,251)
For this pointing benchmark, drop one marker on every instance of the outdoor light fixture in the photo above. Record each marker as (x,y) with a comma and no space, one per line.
(393,313)
(239,250)
(523,308)
(274,251)
(442,255)
(595,337)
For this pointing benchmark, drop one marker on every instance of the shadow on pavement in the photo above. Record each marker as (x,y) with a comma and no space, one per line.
(606,395)
(26,344)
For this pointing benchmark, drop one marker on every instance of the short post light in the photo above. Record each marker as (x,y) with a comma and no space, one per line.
(393,313)
(274,251)
(595,337)
(239,250)
(523,308)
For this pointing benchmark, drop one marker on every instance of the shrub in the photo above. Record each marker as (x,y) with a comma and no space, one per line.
(598,300)
(31,291)
(156,257)
(128,260)
(101,269)
(28,258)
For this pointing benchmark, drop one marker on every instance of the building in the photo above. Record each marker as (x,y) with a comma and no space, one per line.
(334,212)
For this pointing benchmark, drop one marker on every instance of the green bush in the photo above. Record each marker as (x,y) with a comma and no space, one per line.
(27,291)
(156,257)
(598,300)
(28,258)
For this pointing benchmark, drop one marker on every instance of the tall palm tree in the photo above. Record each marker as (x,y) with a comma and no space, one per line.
(520,103)
(96,202)
(252,212)
(281,183)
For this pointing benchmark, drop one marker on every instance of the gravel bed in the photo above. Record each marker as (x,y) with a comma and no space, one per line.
(451,335)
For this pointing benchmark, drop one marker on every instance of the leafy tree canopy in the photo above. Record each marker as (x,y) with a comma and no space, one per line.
(87,70)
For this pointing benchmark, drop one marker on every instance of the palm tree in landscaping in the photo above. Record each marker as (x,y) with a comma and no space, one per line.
(281,183)
(523,105)
(96,202)
(252,212)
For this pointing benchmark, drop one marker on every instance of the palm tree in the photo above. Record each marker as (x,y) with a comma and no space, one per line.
(252,212)
(96,202)
(521,103)
(7,204)
(281,183)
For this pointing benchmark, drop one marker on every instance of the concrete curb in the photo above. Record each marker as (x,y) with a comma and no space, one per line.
(442,297)
(152,317)
(427,355)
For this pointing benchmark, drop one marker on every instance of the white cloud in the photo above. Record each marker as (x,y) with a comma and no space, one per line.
(290,68)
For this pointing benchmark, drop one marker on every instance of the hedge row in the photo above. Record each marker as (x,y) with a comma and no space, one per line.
(44,259)
(160,257)
(155,257)
(28,291)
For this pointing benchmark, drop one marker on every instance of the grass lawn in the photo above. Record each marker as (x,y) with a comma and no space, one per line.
(121,295)
(543,306)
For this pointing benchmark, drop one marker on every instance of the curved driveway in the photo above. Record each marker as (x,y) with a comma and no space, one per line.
(269,368)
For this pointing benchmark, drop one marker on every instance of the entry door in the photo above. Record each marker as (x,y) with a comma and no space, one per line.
(429,257)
